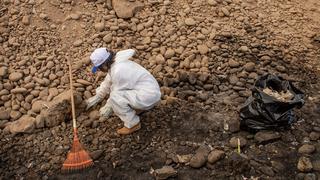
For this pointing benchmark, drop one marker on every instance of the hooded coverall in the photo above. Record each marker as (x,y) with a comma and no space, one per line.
(130,86)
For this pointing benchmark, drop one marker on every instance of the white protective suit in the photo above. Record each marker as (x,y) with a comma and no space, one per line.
(130,86)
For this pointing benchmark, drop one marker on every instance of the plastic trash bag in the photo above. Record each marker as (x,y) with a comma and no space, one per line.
(271,104)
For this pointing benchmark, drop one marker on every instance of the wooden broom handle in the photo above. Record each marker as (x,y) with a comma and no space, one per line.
(72,98)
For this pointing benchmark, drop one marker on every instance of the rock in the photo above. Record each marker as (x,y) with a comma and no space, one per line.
(233,79)
(212,2)
(96,154)
(99,26)
(307,149)
(310,176)
(59,108)
(234,142)
(25,124)
(14,115)
(4,115)
(160,59)
(215,156)
(190,21)
(244,49)
(266,136)
(94,115)
(18,90)
(267,171)
(126,9)
(225,11)
(234,64)
(15,76)
(39,121)
(3,71)
(232,123)
(200,158)
(314,136)
(184,158)
(77,43)
(37,106)
(25,20)
(304,164)
(249,67)
(165,172)
(107,38)
(316,165)
(169,53)
(203,49)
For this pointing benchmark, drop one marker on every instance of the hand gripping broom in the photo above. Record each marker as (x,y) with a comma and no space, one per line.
(77,159)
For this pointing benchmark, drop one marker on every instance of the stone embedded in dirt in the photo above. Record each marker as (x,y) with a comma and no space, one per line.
(77,43)
(126,9)
(165,172)
(4,115)
(234,142)
(190,21)
(225,11)
(249,67)
(59,108)
(200,158)
(184,158)
(314,136)
(203,49)
(99,26)
(307,149)
(215,156)
(37,106)
(15,76)
(316,165)
(94,115)
(304,164)
(107,38)
(244,49)
(212,2)
(234,64)
(14,115)
(3,71)
(25,124)
(26,20)
(18,90)
(267,171)
(266,136)
(169,53)
(39,121)
(96,154)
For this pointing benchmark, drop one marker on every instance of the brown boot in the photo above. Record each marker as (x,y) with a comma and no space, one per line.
(126,131)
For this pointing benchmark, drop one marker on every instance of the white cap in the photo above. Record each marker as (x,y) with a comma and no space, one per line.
(98,57)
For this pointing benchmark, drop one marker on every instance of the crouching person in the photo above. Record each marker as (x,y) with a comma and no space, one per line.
(131,88)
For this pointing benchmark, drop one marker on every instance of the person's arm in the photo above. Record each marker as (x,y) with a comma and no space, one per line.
(104,87)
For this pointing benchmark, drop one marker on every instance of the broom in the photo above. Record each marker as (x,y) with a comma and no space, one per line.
(77,159)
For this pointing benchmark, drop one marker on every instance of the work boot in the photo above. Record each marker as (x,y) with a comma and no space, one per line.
(126,131)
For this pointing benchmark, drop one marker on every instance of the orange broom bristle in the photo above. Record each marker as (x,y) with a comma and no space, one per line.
(77,158)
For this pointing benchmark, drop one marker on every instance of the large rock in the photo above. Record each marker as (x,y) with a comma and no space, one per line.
(15,76)
(266,136)
(304,164)
(25,124)
(200,158)
(307,149)
(3,71)
(165,172)
(59,108)
(125,9)
(215,156)
(4,115)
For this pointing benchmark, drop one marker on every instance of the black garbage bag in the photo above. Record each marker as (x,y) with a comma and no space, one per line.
(271,104)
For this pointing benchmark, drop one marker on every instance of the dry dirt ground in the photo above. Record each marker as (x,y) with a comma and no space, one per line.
(205,54)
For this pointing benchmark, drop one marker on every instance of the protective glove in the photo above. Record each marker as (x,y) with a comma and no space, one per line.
(92,101)
(106,111)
